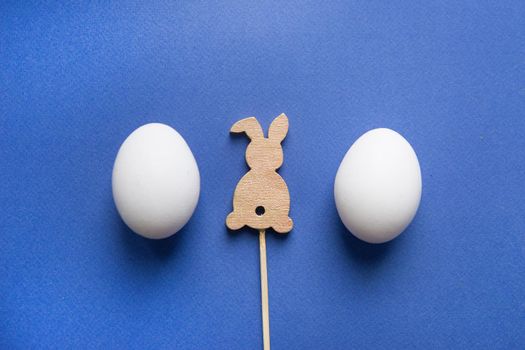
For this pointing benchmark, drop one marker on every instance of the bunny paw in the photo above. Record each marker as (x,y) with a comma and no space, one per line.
(233,222)
(283,227)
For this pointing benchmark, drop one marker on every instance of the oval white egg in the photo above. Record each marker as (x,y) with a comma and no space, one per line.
(378,186)
(156,181)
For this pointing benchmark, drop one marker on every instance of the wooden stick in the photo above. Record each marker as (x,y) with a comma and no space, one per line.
(264,291)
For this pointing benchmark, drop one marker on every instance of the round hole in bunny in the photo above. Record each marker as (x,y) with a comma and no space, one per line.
(259,210)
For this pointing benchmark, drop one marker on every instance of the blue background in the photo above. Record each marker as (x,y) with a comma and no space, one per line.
(75,80)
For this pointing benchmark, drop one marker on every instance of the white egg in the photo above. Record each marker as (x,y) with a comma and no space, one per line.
(156,181)
(378,186)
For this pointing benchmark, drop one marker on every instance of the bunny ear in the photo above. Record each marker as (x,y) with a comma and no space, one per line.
(250,126)
(278,128)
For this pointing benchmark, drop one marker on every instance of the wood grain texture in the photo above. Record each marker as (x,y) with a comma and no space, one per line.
(261,199)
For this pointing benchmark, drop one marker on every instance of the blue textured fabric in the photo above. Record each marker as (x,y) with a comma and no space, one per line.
(76,79)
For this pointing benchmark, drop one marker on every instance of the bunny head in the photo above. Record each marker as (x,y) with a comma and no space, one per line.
(263,153)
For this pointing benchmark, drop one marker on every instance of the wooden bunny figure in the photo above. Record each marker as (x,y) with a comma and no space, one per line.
(261,199)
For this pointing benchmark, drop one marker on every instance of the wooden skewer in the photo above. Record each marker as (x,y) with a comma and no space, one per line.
(264,290)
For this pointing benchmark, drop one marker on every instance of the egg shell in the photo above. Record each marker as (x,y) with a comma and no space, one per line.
(378,186)
(156,181)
